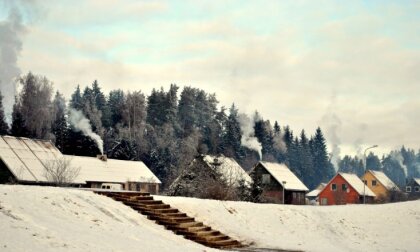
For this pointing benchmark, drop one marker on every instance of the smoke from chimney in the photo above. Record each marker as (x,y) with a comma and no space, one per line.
(332,125)
(11,32)
(397,156)
(248,138)
(81,123)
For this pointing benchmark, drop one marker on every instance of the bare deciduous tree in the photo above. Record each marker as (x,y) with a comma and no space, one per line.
(60,171)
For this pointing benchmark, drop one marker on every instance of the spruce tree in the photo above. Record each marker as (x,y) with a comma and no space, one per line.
(323,169)
(306,162)
(232,139)
(76,99)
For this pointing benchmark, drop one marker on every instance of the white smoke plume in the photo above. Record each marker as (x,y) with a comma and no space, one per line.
(400,159)
(81,123)
(11,31)
(248,138)
(332,124)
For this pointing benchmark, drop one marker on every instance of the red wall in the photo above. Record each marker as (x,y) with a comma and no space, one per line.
(339,197)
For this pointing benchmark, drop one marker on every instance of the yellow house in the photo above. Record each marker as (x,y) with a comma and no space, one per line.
(379,183)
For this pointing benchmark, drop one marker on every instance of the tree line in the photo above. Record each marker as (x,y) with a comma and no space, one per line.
(166,129)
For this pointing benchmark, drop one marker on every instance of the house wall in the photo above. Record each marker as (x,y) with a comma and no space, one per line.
(273,191)
(413,194)
(5,175)
(339,197)
(380,190)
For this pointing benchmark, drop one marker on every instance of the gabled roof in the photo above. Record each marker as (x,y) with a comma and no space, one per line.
(417,180)
(112,170)
(316,191)
(281,173)
(384,180)
(230,170)
(25,158)
(357,184)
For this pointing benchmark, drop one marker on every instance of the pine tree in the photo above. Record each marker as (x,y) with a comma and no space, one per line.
(232,138)
(76,101)
(306,162)
(324,170)
(116,105)
(18,123)
(4,128)
(373,162)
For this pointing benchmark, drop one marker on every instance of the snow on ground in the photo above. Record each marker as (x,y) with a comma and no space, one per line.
(388,227)
(55,219)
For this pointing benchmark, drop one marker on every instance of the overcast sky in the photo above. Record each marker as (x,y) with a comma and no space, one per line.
(351,67)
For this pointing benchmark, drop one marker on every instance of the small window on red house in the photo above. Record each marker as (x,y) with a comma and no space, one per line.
(334,187)
(344,187)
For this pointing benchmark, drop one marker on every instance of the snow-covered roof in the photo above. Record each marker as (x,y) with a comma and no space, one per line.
(384,180)
(231,171)
(112,170)
(313,193)
(26,157)
(357,184)
(282,174)
(417,180)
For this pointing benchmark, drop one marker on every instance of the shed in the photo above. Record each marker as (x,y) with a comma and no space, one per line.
(345,188)
(275,177)
(313,195)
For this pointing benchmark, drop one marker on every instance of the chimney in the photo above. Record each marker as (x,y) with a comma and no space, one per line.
(102,157)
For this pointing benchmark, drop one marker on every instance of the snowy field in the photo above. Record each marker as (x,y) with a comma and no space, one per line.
(53,219)
(389,227)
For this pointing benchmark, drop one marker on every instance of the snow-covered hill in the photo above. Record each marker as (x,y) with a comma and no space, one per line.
(55,219)
(388,227)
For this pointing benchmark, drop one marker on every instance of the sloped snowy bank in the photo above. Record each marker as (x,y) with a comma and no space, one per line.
(388,227)
(54,219)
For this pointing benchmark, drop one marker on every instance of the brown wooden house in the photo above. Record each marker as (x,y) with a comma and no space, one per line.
(277,180)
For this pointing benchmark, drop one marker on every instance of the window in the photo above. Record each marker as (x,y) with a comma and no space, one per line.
(334,187)
(373,182)
(408,188)
(324,201)
(417,189)
(344,187)
(266,179)
(365,181)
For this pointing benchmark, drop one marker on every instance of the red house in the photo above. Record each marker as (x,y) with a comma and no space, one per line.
(345,188)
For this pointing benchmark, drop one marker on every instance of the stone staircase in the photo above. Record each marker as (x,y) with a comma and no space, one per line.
(173,219)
